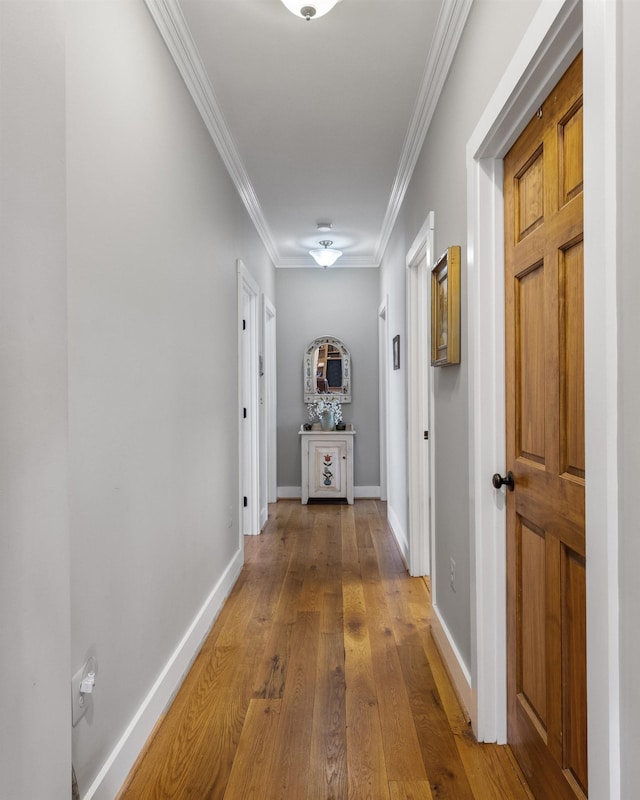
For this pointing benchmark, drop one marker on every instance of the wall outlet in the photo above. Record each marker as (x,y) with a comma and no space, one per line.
(452,574)
(81,701)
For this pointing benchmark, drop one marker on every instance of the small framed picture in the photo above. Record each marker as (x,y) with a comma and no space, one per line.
(445,309)
(396,352)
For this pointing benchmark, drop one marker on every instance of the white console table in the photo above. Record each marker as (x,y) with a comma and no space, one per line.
(327,463)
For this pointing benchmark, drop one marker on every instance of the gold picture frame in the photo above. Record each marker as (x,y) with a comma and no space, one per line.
(445,309)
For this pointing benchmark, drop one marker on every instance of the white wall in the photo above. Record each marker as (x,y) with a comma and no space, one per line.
(328,302)
(629,387)
(35,738)
(492,32)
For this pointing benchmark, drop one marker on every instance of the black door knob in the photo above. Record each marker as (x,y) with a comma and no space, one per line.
(508,481)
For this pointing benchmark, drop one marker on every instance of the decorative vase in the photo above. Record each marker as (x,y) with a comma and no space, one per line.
(327,422)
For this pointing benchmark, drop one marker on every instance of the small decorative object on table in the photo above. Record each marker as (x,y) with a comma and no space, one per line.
(327,412)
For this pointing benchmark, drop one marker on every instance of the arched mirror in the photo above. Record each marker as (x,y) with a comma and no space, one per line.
(327,370)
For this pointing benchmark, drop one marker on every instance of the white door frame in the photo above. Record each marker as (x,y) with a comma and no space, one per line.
(248,394)
(383,391)
(270,389)
(420,402)
(552,41)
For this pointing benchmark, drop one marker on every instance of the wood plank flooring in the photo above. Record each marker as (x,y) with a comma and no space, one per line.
(320,681)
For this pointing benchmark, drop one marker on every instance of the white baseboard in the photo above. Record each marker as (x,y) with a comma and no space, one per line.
(361,492)
(289,492)
(117,767)
(455,666)
(399,534)
(367,492)
(264,516)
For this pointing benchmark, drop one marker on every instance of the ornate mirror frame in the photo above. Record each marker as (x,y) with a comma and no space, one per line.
(309,377)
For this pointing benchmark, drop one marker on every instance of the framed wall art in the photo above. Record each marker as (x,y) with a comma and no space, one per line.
(445,309)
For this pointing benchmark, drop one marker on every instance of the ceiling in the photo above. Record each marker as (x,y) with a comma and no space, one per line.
(316,121)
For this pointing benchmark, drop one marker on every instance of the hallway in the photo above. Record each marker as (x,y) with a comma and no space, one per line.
(320,680)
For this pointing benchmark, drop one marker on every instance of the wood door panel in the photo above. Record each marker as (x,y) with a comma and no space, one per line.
(574,650)
(531,616)
(530,365)
(572,459)
(530,195)
(544,358)
(570,149)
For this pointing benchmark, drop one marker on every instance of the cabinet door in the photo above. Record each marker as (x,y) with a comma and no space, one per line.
(327,468)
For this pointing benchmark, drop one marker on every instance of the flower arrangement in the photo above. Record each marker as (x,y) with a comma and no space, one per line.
(321,407)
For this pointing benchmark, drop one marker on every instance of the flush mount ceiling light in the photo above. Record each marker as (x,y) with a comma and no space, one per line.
(315,9)
(326,257)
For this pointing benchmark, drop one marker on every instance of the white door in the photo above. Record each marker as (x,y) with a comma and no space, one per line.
(249,402)
(383,384)
(420,411)
(269,389)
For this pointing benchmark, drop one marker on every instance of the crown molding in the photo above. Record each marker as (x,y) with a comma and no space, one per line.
(344,262)
(451,22)
(173,28)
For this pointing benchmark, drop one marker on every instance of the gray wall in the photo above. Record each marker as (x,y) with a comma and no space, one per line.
(155,228)
(120,234)
(332,302)
(629,387)
(35,737)
(493,31)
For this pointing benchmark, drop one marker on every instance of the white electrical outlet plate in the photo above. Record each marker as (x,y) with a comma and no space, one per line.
(79,703)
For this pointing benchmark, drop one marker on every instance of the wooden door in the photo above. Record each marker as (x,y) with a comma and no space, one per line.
(546,628)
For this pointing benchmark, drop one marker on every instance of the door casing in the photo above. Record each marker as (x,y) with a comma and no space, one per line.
(269,390)
(557,33)
(419,260)
(249,426)
(383,391)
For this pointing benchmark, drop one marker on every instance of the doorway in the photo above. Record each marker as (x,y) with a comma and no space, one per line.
(269,390)
(551,43)
(420,397)
(545,497)
(248,293)
(383,384)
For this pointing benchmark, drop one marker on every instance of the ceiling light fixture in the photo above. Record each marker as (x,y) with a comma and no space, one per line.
(315,9)
(326,257)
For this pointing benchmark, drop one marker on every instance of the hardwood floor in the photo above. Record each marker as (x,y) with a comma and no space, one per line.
(320,681)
